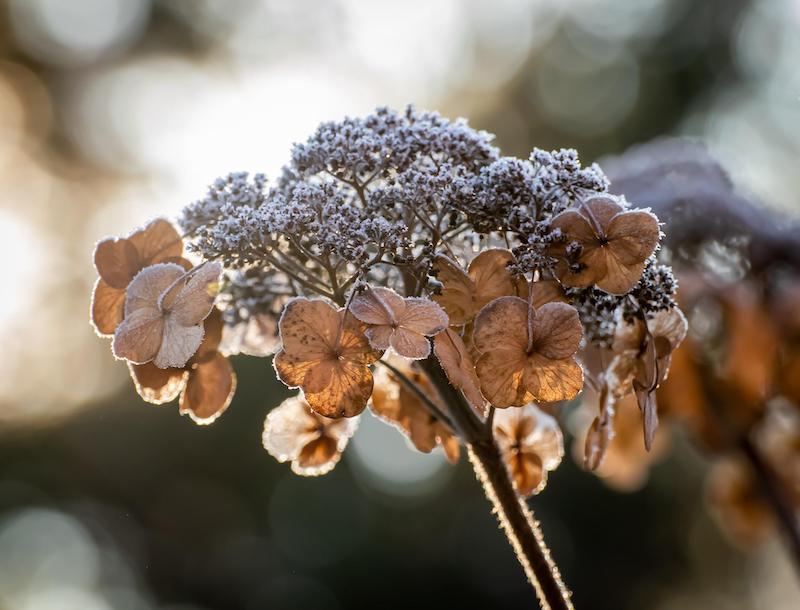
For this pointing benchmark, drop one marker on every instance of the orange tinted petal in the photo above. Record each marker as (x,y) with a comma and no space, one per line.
(457,290)
(209,390)
(619,278)
(491,278)
(633,236)
(557,330)
(500,372)
(157,242)
(156,385)
(457,364)
(308,328)
(348,388)
(108,308)
(502,324)
(552,380)
(117,261)
(212,335)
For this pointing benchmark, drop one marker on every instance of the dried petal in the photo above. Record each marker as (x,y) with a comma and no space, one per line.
(209,389)
(515,369)
(313,443)
(464,294)
(156,385)
(108,308)
(326,353)
(403,324)
(531,444)
(457,364)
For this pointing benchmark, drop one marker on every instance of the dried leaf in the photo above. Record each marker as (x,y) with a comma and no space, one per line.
(313,443)
(402,323)
(157,386)
(603,244)
(527,354)
(326,353)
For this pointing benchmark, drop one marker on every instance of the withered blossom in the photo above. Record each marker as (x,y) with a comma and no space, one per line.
(205,385)
(526,353)
(402,324)
(531,444)
(118,260)
(164,310)
(603,244)
(312,443)
(326,353)
(457,363)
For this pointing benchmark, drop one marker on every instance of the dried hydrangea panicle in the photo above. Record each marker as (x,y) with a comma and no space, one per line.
(531,444)
(206,384)
(487,278)
(118,260)
(456,362)
(325,353)
(526,353)
(312,443)
(603,244)
(404,324)
(164,311)
(398,405)
(643,352)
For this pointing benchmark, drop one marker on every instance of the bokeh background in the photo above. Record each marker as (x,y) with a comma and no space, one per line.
(114,111)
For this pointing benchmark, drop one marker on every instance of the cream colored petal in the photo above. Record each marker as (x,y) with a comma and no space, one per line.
(379,336)
(377,306)
(138,338)
(410,344)
(179,343)
(423,316)
(146,288)
(288,428)
(195,300)
(157,386)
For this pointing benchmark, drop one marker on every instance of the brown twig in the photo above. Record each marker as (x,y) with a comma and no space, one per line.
(515,518)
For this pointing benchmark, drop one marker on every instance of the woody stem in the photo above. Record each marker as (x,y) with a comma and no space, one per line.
(516,519)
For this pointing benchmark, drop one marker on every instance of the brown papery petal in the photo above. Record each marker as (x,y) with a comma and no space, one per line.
(288,428)
(316,454)
(146,288)
(196,299)
(309,328)
(346,390)
(545,291)
(618,278)
(502,324)
(527,472)
(108,308)
(633,236)
(423,316)
(410,344)
(459,368)
(138,338)
(209,390)
(557,330)
(491,277)
(501,375)
(157,386)
(380,306)
(553,380)
(158,242)
(602,208)
(117,261)
(212,335)
(457,289)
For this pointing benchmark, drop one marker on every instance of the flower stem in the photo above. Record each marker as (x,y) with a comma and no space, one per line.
(515,518)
